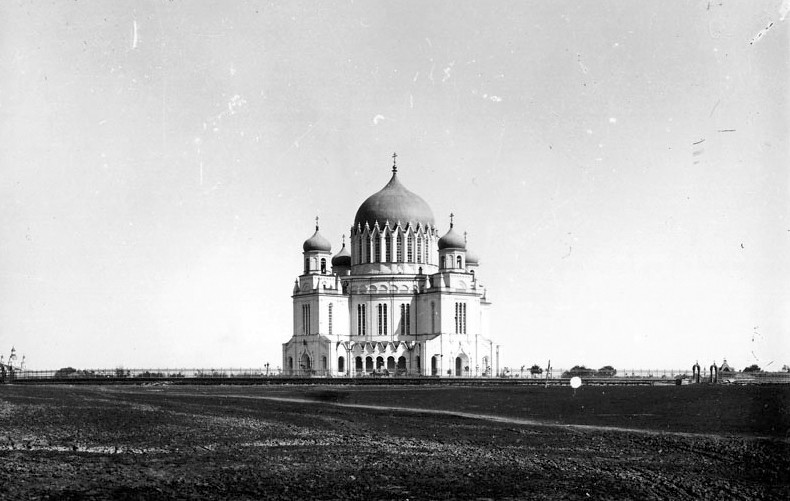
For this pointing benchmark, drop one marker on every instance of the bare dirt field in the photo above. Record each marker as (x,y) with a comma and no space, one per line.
(304,442)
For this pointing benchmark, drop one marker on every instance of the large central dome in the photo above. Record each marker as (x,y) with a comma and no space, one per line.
(394,203)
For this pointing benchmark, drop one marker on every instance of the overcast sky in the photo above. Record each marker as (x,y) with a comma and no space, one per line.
(621,168)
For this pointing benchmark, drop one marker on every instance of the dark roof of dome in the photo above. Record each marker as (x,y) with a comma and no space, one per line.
(317,243)
(394,203)
(471,257)
(342,258)
(452,240)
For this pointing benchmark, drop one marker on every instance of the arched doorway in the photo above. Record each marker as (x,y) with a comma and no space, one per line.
(461,365)
(290,365)
(379,363)
(304,364)
(401,365)
(358,365)
(341,364)
(391,364)
(368,364)
(434,368)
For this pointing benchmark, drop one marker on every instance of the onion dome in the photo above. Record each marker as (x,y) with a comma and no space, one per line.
(452,240)
(472,258)
(317,242)
(393,204)
(342,258)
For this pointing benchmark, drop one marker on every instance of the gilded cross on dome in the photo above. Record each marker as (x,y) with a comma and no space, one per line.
(316,223)
(394,163)
(451,219)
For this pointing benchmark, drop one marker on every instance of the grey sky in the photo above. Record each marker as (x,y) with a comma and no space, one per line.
(621,168)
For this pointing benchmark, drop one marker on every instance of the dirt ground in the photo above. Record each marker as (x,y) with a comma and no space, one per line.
(222,442)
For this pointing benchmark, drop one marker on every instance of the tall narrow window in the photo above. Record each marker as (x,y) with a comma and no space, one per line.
(405,320)
(463,317)
(410,249)
(377,248)
(330,319)
(305,319)
(400,247)
(382,312)
(388,248)
(419,249)
(433,317)
(458,261)
(368,249)
(427,251)
(460,318)
(323,265)
(361,320)
(359,249)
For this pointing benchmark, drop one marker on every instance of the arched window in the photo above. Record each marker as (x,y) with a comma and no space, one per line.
(359,249)
(323,265)
(410,249)
(458,261)
(377,248)
(341,364)
(400,247)
(419,249)
(390,240)
(306,265)
(323,362)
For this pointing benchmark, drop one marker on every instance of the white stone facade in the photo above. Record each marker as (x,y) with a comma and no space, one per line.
(402,302)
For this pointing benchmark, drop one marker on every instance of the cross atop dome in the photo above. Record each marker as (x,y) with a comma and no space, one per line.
(394,163)
(316,223)
(451,219)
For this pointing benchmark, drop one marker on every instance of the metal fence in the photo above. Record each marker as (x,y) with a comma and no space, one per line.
(273,373)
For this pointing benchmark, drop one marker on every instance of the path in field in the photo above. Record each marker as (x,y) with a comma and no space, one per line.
(490,417)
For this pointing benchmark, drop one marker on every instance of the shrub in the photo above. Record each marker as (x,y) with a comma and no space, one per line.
(607,371)
(578,370)
(65,372)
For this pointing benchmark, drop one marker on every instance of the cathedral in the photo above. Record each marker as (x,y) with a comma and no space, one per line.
(399,300)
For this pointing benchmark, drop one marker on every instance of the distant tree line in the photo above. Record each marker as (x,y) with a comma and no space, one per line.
(582,372)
